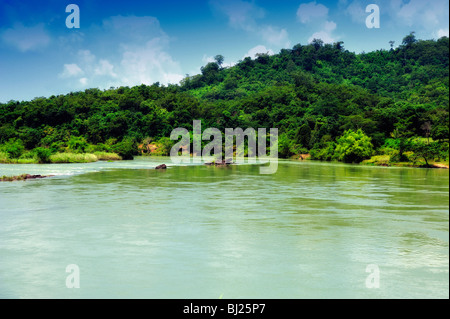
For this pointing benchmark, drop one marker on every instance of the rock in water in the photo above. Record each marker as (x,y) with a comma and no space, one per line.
(162,166)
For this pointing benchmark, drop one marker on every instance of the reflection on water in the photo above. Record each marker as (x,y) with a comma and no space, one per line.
(308,231)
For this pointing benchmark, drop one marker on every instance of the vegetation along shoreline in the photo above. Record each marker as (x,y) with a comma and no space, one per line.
(385,107)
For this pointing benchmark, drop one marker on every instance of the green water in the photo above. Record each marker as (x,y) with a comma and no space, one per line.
(308,231)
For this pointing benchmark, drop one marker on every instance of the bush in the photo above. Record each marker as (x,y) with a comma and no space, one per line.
(383,160)
(72,158)
(4,158)
(391,143)
(28,157)
(284,146)
(324,154)
(42,154)
(163,147)
(27,161)
(14,148)
(353,147)
(98,148)
(104,156)
(77,144)
(426,151)
(126,148)
(443,151)
(57,147)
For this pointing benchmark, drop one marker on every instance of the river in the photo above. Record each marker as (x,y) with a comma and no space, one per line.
(312,230)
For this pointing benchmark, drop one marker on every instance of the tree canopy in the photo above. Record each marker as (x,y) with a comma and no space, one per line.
(314,94)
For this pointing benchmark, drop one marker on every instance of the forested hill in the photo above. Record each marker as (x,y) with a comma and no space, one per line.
(315,94)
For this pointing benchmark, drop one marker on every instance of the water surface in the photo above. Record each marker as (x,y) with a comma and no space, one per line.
(308,231)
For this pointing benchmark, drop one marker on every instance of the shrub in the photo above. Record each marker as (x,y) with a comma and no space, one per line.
(104,156)
(162,147)
(324,154)
(426,151)
(77,144)
(28,161)
(353,147)
(28,157)
(165,145)
(126,148)
(72,158)
(14,148)
(387,151)
(4,157)
(284,146)
(378,160)
(98,148)
(57,147)
(42,154)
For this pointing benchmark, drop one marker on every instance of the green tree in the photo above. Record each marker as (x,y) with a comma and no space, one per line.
(326,153)
(303,135)
(410,39)
(43,154)
(403,134)
(353,147)
(426,151)
(219,59)
(77,144)
(210,72)
(14,147)
(126,148)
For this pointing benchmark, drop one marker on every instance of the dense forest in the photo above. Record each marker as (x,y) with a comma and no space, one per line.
(388,105)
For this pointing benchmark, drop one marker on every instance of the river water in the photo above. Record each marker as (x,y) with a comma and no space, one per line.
(312,230)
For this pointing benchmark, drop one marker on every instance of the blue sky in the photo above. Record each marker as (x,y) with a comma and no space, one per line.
(133,42)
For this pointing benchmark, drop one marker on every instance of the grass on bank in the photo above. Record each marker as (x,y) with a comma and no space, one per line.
(105,156)
(72,158)
(65,157)
(386,160)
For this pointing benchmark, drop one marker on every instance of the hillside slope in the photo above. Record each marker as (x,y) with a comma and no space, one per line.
(312,93)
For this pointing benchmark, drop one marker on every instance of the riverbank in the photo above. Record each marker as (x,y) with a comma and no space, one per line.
(384,160)
(67,157)
(60,158)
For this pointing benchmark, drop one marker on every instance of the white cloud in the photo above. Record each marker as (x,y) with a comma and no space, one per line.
(133,52)
(442,33)
(244,16)
(71,70)
(356,11)
(86,57)
(422,16)
(275,36)
(26,38)
(148,63)
(207,59)
(427,11)
(330,26)
(322,35)
(105,68)
(258,49)
(325,35)
(308,12)
(240,14)
(132,29)
(316,16)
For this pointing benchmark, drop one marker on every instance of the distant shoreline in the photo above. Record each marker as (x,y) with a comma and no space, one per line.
(372,162)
